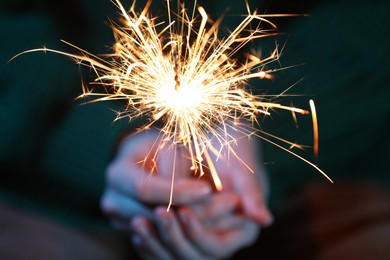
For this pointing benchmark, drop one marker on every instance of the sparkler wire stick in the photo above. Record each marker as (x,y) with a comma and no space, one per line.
(186,78)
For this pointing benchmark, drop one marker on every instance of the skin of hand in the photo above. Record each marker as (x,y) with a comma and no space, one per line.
(219,226)
(204,226)
(137,181)
(240,168)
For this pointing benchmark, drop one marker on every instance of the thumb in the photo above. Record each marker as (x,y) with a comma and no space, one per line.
(255,207)
(253,198)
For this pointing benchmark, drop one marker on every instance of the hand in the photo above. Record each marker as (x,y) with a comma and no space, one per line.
(137,180)
(241,170)
(220,226)
(232,220)
(217,233)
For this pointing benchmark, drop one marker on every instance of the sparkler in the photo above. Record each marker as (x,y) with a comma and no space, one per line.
(182,73)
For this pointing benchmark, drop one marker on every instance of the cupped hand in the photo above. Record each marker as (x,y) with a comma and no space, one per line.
(140,178)
(222,224)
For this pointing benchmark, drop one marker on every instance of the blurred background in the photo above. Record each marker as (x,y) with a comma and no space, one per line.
(53,150)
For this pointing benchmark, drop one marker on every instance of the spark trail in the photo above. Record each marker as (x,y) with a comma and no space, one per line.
(182,73)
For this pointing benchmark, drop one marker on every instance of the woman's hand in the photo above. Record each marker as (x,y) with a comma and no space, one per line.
(140,178)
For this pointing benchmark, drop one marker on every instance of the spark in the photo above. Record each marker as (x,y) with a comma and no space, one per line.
(182,74)
(315,128)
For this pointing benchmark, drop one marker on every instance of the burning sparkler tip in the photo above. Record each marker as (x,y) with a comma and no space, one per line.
(185,77)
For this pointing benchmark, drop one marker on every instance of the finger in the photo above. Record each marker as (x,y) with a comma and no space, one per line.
(174,237)
(238,176)
(225,223)
(243,236)
(146,242)
(133,181)
(185,191)
(207,242)
(174,161)
(253,201)
(216,244)
(252,186)
(219,205)
(119,206)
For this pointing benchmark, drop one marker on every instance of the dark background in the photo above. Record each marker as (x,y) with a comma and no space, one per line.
(53,151)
